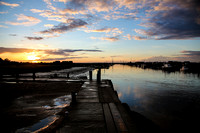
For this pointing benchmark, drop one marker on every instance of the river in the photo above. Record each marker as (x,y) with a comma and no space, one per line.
(171,100)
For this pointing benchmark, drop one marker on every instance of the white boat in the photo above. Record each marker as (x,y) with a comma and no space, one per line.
(167,66)
(184,68)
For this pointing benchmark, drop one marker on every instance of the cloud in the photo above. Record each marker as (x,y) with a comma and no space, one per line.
(48,25)
(12,34)
(14,50)
(36,10)
(34,38)
(174,20)
(111,39)
(191,53)
(106,30)
(3,26)
(193,56)
(67,51)
(64,1)
(3,12)
(63,27)
(8,4)
(92,5)
(25,20)
(46,51)
(58,59)
(130,37)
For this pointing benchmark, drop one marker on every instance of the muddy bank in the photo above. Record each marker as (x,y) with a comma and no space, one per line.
(26,104)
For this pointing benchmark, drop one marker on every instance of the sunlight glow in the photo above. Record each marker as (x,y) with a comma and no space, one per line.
(32,56)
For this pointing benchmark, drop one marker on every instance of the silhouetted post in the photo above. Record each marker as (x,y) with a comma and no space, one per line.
(90,75)
(1,76)
(17,77)
(73,97)
(34,76)
(67,75)
(99,75)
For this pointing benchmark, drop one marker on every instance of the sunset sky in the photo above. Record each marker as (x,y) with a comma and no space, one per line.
(100,30)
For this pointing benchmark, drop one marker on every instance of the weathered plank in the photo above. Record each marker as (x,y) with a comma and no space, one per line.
(108,118)
(121,127)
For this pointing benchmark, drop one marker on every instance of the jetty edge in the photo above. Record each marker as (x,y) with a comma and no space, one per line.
(98,109)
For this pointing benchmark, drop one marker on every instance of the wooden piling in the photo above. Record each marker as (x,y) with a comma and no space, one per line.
(99,75)
(73,94)
(67,75)
(34,76)
(90,75)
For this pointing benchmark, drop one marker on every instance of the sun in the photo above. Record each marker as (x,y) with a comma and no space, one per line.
(32,56)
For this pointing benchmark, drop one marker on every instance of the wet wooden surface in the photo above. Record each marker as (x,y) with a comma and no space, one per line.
(97,110)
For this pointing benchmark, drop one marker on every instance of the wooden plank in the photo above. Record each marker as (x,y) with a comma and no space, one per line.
(121,127)
(108,118)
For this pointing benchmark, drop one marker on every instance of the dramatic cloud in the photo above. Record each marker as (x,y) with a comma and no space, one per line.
(173,20)
(46,51)
(57,59)
(34,38)
(14,50)
(191,53)
(8,4)
(67,51)
(63,27)
(25,20)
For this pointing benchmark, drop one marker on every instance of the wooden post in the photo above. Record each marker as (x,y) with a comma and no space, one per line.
(73,97)
(90,75)
(34,76)
(17,77)
(99,76)
(67,75)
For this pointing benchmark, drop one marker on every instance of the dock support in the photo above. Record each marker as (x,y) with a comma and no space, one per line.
(90,75)
(67,75)
(73,94)
(99,76)
(34,76)
(17,77)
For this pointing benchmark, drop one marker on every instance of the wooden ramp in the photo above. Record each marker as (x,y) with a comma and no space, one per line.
(97,110)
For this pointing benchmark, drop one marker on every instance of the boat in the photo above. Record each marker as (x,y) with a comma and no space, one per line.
(184,68)
(166,66)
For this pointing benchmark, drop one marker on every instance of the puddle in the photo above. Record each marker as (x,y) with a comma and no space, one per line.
(62,101)
(59,102)
(41,125)
(56,105)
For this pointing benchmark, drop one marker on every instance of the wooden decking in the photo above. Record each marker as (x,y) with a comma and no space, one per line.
(98,109)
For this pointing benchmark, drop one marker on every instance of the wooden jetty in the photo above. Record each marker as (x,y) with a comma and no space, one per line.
(97,109)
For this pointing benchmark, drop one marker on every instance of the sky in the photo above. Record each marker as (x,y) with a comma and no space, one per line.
(100,30)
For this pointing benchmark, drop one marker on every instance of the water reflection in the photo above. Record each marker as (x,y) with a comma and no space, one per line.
(172,100)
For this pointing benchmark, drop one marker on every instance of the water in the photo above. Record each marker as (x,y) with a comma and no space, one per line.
(171,100)
(41,125)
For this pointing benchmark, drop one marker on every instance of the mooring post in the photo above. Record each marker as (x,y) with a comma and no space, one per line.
(67,75)
(17,77)
(90,75)
(99,76)
(73,97)
(1,76)
(34,76)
